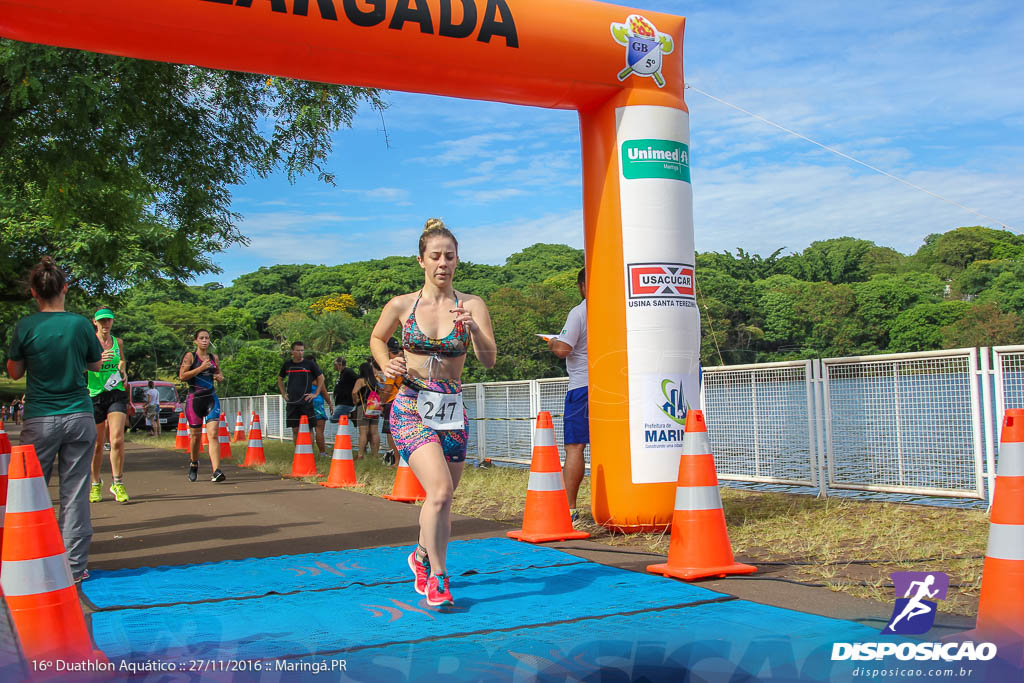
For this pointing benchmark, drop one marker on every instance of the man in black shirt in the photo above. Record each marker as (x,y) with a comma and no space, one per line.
(305,382)
(343,390)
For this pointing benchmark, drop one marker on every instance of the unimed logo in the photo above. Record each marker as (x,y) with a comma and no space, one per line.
(655,158)
(660,280)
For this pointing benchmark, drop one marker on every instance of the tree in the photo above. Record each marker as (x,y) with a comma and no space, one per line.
(840,260)
(121,169)
(334,303)
(921,327)
(517,316)
(538,262)
(251,371)
(982,325)
(883,297)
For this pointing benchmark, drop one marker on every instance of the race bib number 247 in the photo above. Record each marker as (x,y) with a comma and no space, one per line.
(442,412)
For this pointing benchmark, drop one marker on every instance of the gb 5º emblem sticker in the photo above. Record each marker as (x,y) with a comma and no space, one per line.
(644,47)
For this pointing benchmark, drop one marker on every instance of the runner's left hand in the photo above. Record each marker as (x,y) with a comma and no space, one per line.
(465,317)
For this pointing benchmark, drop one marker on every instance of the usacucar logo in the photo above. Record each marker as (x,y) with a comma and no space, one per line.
(673,280)
(644,47)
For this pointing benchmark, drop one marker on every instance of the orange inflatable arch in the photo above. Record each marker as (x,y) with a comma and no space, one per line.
(621,69)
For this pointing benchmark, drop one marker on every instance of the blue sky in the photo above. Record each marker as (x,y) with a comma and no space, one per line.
(932,92)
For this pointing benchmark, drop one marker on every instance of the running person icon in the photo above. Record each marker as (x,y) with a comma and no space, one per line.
(915,607)
(428,419)
(201,369)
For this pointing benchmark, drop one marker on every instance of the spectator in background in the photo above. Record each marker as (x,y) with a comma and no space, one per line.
(305,383)
(321,409)
(368,410)
(343,390)
(388,391)
(153,407)
(571,344)
(53,349)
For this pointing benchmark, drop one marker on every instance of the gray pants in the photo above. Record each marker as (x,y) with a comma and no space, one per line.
(69,439)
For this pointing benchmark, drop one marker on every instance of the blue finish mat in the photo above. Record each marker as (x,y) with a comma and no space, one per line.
(730,641)
(526,613)
(291,573)
(358,616)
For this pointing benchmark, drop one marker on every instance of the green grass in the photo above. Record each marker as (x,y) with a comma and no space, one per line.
(851,546)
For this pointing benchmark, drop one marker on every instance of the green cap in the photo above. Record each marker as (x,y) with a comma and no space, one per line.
(103,313)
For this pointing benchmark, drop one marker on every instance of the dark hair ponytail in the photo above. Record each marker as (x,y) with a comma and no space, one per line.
(47,279)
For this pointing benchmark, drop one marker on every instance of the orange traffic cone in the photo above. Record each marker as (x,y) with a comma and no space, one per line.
(343,470)
(547,507)
(239,434)
(5,442)
(407,488)
(37,580)
(181,436)
(303,463)
(5,463)
(254,453)
(700,542)
(224,439)
(1001,605)
(204,442)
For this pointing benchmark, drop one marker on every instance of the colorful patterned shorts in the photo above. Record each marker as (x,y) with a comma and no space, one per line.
(410,433)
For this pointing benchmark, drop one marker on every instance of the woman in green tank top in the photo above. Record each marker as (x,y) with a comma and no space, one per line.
(110,408)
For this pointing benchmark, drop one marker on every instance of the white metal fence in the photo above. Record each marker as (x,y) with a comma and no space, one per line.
(911,423)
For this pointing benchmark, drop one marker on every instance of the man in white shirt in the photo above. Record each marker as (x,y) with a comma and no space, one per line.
(153,407)
(571,344)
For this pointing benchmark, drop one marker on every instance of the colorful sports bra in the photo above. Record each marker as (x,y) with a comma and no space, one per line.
(414,340)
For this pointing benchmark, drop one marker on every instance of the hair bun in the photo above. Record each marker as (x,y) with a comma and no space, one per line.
(433,224)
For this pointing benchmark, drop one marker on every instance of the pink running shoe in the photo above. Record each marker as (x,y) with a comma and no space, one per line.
(421,570)
(437,591)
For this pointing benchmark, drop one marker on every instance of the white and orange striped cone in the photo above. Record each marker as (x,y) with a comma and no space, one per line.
(223,439)
(547,507)
(239,434)
(254,452)
(5,463)
(343,469)
(700,542)
(1001,605)
(407,488)
(5,441)
(36,576)
(181,437)
(303,462)
(204,441)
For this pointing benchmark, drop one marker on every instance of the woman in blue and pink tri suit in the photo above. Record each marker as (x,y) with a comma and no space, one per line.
(200,368)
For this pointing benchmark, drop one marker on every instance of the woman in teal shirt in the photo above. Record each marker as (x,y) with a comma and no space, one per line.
(53,349)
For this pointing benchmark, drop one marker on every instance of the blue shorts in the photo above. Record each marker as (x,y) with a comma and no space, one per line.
(576,422)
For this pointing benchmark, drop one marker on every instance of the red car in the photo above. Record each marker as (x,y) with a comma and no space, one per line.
(170,406)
